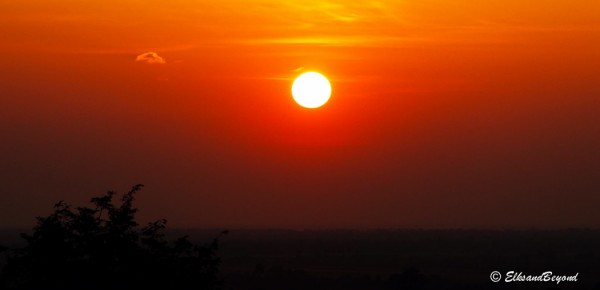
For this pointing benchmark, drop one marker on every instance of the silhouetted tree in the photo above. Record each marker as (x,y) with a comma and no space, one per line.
(103,247)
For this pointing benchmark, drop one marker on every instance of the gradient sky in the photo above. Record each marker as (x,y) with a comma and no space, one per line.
(444,114)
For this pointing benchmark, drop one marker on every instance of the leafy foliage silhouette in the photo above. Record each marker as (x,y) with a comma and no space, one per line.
(103,247)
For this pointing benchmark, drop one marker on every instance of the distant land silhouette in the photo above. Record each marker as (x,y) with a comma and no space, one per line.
(103,247)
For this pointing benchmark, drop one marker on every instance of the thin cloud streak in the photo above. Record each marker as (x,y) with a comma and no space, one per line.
(150,58)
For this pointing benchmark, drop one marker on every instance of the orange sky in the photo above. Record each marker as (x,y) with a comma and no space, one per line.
(443,113)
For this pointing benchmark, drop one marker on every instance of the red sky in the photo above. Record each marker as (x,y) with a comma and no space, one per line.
(444,114)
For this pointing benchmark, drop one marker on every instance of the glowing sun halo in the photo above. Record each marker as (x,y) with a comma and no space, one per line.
(311,90)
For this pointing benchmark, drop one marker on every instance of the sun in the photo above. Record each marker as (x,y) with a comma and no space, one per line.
(311,90)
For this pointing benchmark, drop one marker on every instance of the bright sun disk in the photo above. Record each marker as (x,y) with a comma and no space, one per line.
(311,90)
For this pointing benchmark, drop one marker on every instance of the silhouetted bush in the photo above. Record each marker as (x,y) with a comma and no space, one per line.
(409,279)
(103,247)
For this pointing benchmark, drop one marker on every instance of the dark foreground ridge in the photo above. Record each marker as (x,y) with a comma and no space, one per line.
(407,259)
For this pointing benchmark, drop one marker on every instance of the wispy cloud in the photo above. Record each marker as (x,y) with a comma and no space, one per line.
(151,58)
